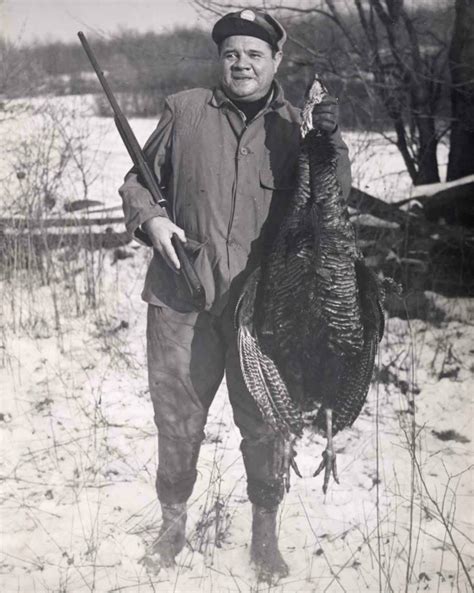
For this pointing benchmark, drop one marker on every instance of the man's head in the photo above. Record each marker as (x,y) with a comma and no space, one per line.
(249,44)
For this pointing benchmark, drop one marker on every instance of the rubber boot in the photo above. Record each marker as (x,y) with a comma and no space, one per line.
(264,550)
(171,538)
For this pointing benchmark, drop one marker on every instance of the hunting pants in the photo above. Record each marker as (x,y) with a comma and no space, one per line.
(188,354)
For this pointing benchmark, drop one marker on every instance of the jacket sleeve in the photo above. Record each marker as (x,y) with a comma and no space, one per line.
(137,201)
(343,163)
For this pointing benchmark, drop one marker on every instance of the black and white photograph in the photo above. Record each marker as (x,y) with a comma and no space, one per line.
(237,296)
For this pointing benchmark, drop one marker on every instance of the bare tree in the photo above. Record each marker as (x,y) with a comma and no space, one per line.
(19,77)
(461,155)
(398,57)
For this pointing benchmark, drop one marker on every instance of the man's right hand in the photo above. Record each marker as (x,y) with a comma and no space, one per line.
(160,230)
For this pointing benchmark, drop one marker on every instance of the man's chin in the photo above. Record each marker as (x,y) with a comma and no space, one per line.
(244,95)
(241,89)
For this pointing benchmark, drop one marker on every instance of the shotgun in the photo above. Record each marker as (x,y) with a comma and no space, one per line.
(196,289)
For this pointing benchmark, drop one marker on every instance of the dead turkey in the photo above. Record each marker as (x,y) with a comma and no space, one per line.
(310,318)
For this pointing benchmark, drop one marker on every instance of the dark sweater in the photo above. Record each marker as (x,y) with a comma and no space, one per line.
(251,108)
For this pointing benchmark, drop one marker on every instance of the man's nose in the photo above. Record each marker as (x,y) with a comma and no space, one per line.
(242,63)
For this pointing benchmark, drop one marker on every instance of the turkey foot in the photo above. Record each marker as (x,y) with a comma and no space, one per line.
(289,461)
(329,456)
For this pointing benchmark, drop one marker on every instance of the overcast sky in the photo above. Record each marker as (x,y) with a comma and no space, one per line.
(26,20)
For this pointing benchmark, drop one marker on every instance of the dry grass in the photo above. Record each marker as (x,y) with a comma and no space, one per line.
(78,478)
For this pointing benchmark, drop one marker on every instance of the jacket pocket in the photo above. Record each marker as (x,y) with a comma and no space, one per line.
(171,288)
(192,247)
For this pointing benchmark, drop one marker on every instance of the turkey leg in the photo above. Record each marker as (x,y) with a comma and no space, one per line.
(329,456)
(289,455)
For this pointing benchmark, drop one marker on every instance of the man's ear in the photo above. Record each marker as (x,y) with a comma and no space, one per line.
(277,58)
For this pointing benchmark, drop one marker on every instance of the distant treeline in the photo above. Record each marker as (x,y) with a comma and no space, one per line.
(144,68)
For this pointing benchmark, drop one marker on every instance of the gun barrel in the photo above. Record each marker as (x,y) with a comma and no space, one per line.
(136,154)
(124,129)
(100,74)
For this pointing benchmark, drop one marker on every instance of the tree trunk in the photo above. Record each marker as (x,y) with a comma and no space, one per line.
(461,154)
(428,161)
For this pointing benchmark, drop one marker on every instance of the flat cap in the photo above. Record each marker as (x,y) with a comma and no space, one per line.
(252,23)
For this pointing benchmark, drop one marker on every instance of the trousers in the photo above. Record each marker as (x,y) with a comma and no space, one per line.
(188,354)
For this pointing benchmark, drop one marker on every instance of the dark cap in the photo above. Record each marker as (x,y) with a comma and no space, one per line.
(252,23)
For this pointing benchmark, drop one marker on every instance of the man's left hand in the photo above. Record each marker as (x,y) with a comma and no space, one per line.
(326,115)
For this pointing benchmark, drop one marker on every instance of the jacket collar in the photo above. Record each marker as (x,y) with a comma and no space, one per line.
(219,98)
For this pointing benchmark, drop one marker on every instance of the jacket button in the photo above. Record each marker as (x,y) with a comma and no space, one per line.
(244,150)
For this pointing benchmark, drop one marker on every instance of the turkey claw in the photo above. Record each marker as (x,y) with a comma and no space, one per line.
(329,465)
(295,467)
(289,462)
(286,476)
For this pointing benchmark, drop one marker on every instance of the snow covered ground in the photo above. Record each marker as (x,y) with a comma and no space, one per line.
(78,505)
(377,166)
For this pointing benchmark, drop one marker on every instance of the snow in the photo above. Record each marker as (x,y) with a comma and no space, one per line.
(433,188)
(378,167)
(78,505)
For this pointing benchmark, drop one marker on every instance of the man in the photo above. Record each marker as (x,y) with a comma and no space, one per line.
(226,160)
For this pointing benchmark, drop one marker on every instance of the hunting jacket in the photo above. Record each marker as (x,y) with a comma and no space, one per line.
(226,181)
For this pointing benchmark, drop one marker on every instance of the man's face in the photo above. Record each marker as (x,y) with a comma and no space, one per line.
(247,67)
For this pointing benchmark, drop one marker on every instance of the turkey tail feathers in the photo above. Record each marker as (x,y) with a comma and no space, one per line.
(262,378)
